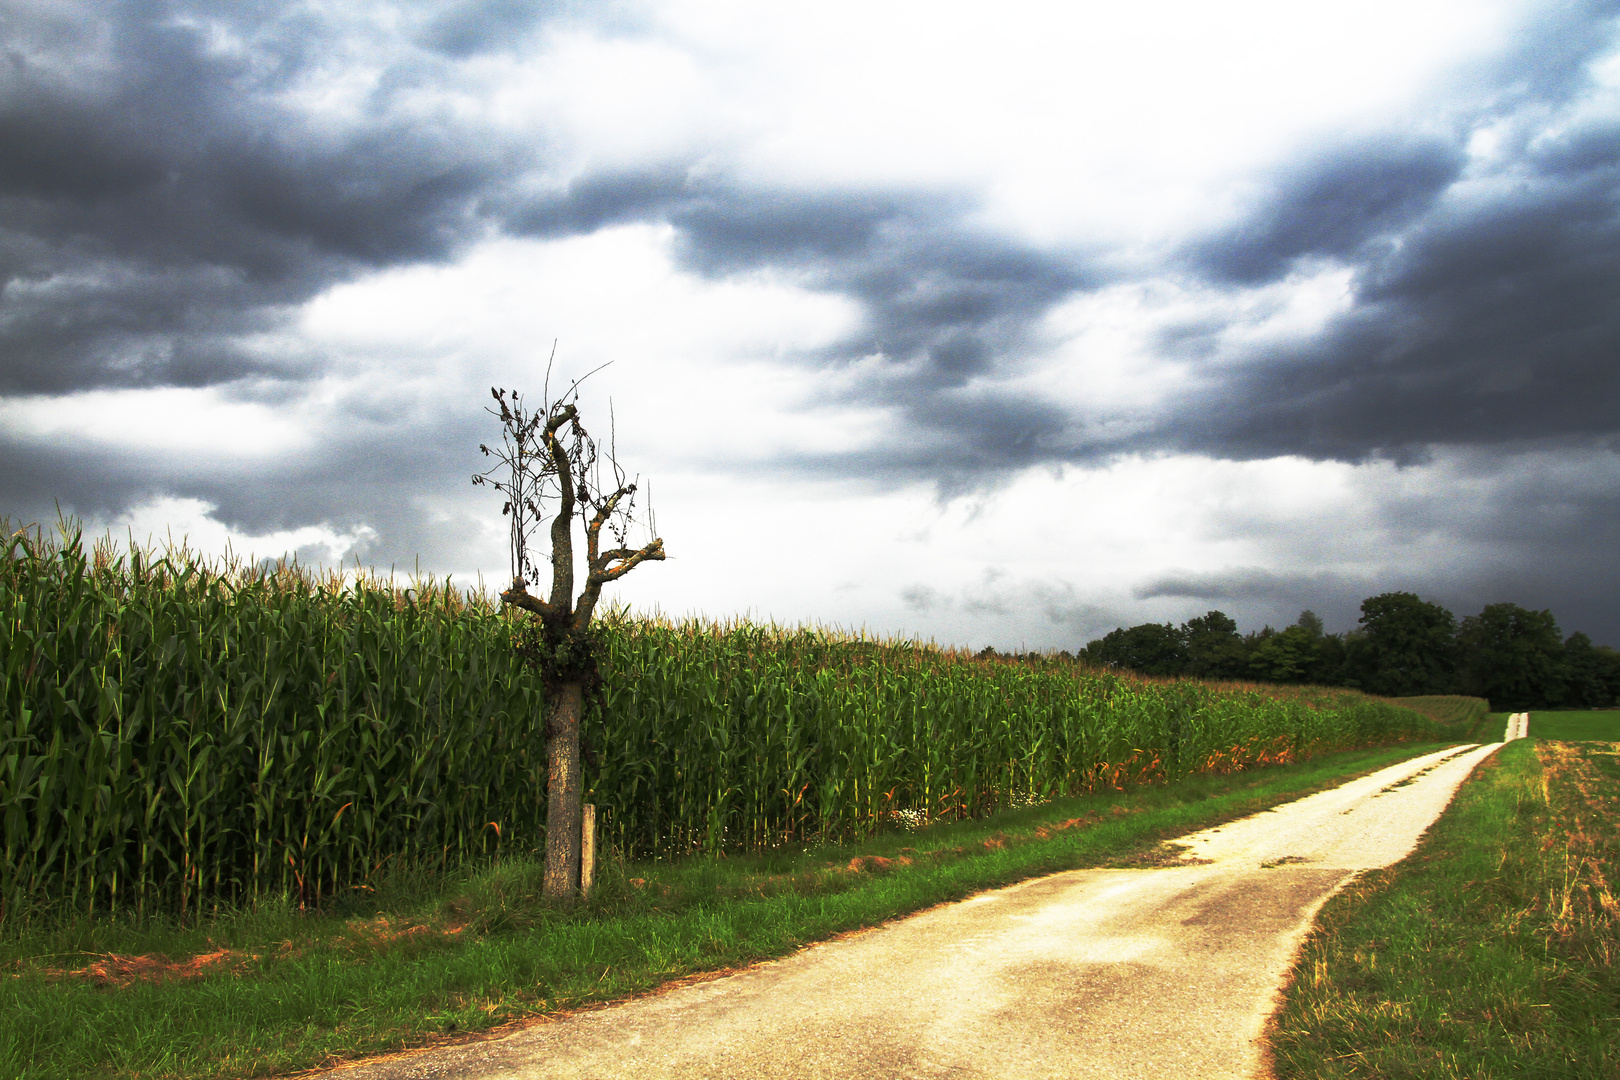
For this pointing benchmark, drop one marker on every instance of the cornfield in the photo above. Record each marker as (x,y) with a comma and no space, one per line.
(176,734)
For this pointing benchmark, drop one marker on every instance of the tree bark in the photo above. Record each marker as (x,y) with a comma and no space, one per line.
(563,802)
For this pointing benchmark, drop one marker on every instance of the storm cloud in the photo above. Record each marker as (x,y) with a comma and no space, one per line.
(163,213)
(183,183)
(1334,206)
(1488,318)
(163,197)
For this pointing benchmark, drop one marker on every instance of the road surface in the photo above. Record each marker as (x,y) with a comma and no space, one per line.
(1168,971)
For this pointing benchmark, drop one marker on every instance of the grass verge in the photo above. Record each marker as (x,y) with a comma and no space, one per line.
(251,994)
(1492,951)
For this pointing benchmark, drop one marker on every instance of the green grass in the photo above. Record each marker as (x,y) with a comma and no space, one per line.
(1576,726)
(293,992)
(1493,951)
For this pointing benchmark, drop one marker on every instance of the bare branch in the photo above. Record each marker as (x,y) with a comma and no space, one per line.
(605,509)
(606,570)
(551,462)
(611,566)
(518,596)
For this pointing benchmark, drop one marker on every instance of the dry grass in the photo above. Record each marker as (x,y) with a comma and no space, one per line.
(1581,784)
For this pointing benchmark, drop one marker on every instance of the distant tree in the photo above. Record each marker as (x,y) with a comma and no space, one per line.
(551,468)
(1282,656)
(1593,673)
(1514,657)
(1150,649)
(1300,653)
(1326,666)
(1407,646)
(1329,666)
(1215,649)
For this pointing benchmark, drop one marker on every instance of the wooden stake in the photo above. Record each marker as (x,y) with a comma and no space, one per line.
(587,849)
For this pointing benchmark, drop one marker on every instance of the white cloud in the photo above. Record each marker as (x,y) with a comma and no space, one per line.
(701,370)
(1047,560)
(170,421)
(164,521)
(1054,558)
(1086,120)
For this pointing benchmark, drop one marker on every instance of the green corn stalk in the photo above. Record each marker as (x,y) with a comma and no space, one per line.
(177,734)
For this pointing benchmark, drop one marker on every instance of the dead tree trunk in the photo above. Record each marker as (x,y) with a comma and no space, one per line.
(551,457)
(563,792)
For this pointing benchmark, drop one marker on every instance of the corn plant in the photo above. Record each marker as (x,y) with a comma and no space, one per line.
(744,736)
(176,735)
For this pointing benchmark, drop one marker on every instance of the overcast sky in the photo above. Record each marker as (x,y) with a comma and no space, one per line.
(994,324)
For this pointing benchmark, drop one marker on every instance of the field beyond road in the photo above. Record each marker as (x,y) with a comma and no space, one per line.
(1602,726)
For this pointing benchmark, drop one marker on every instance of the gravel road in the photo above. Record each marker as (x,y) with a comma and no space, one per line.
(1168,971)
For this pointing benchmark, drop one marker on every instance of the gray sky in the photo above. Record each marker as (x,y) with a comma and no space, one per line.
(996,325)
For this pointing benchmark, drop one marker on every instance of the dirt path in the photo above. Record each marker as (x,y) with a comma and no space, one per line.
(1169,971)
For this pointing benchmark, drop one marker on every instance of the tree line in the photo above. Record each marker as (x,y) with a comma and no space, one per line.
(1404,646)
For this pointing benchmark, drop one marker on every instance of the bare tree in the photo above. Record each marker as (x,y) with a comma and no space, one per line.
(550,463)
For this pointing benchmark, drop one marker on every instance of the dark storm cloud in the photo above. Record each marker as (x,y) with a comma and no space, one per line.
(1483,291)
(1493,320)
(156,199)
(465,28)
(89,480)
(1241,583)
(598,200)
(1547,534)
(958,300)
(1547,57)
(945,299)
(159,203)
(1539,526)
(961,441)
(153,214)
(935,289)
(162,202)
(478,26)
(1333,205)
(364,472)
(1482,303)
